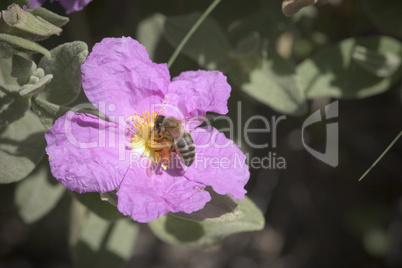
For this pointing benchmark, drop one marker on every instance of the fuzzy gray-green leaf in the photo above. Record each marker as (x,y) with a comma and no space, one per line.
(33,89)
(21,44)
(213,53)
(47,112)
(65,66)
(221,209)
(335,72)
(22,146)
(100,243)
(22,67)
(49,16)
(24,24)
(94,202)
(380,64)
(174,230)
(12,105)
(150,31)
(38,194)
(274,84)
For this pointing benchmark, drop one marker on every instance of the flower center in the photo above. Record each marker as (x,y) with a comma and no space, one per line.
(146,141)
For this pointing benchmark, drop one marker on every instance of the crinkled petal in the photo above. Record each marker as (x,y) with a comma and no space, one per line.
(146,196)
(35,3)
(219,163)
(87,154)
(119,78)
(197,92)
(74,5)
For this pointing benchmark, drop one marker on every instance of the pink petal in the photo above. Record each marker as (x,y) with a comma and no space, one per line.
(197,92)
(119,78)
(74,5)
(87,154)
(146,196)
(219,163)
(35,3)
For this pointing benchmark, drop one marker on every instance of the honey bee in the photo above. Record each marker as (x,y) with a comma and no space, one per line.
(171,129)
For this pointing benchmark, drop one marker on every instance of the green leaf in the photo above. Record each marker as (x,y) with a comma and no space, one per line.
(268,23)
(47,112)
(22,67)
(94,202)
(8,41)
(211,54)
(221,209)
(249,45)
(245,58)
(383,14)
(96,242)
(31,89)
(380,64)
(49,16)
(174,230)
(306,13)
(150,31)
(32,79)
(336,73)
(65,66)
(12,105)
(291,7)
(22,146)
(16,21)
(5,72)
(6,51)
(274,84)
(38,194)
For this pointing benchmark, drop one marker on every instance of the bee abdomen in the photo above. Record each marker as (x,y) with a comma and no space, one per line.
(186,149)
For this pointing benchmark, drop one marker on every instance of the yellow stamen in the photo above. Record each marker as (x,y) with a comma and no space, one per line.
(145,140)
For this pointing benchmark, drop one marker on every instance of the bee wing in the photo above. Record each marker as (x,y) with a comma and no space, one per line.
(198,118)
(195,121)
(174,132)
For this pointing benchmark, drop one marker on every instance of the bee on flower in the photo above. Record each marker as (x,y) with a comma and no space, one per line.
(143,109)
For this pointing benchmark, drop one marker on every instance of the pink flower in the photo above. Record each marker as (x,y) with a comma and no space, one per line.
(88,154)
(69,5)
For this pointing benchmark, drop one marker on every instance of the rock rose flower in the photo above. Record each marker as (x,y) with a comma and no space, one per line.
(69,5)
(88,154)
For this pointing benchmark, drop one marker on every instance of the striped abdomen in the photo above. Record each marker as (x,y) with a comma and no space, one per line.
(185,148)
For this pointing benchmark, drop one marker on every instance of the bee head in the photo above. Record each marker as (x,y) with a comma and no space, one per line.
(158,122)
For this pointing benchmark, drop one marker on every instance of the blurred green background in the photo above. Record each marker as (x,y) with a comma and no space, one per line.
(316,215)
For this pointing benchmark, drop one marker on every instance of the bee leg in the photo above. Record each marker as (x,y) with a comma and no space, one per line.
(160,140)
(172,148)
(153,136)
(165,155)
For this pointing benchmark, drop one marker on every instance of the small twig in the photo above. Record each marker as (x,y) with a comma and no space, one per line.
(191,32)
(381,156)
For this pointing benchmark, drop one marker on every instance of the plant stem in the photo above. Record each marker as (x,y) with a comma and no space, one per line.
(381,156)
(191,32)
